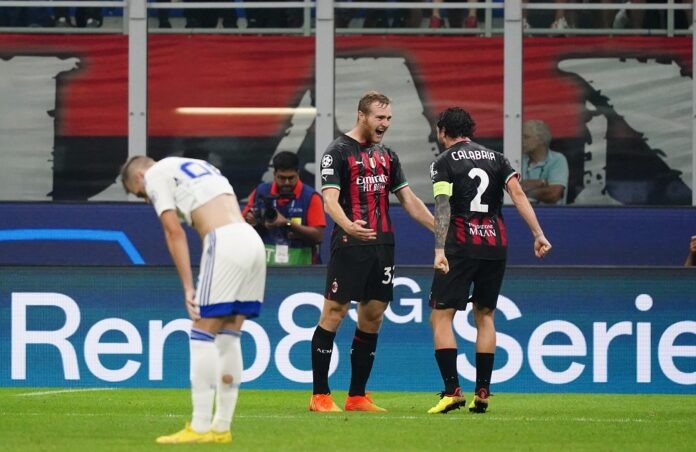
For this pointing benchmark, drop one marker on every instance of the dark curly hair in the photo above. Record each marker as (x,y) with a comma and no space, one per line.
(456,122)
(286,160)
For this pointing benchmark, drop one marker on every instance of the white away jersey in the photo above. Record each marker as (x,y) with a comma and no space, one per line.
(183,184)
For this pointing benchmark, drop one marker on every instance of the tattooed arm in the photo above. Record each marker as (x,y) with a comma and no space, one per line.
(442,219)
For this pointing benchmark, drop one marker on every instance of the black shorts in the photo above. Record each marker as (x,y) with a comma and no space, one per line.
(360,273)
(451,290)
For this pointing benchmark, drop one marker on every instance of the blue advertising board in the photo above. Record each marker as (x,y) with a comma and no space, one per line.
(560,329)
(130,234)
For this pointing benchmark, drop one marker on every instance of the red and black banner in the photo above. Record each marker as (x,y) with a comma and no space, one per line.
(618,108)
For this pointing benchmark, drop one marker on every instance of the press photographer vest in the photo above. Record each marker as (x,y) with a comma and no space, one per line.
(295,210)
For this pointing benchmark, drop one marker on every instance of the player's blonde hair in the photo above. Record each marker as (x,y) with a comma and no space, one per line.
(132,164)
(370,98)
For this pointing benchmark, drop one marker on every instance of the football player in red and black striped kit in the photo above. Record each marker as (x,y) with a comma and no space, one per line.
(470,249)
(358,172)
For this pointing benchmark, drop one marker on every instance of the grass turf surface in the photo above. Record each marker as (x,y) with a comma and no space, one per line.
(130,419)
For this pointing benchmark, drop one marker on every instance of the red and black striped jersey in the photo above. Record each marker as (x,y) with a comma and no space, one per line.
(365,174)
(478,178)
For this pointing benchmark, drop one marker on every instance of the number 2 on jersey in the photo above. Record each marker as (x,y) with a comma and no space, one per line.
(476,205)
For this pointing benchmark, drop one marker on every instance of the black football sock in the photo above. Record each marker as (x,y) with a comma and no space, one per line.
(362,355)
(447,362)
(484,370)
(322,348)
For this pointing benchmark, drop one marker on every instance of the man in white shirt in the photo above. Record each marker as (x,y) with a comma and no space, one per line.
(230,284)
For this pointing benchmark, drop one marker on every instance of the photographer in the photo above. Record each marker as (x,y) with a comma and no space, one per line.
(287,214)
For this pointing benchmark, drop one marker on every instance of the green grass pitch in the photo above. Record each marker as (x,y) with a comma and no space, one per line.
(129,420)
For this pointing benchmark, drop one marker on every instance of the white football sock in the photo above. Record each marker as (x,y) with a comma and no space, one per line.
(204,359)
(230,350)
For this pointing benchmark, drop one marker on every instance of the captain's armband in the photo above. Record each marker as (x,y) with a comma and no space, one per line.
(442,188)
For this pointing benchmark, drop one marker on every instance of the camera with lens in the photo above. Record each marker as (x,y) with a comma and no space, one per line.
(265,210)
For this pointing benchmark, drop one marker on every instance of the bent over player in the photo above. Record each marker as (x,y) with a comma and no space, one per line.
(358,173)
(230,284)
(470,249)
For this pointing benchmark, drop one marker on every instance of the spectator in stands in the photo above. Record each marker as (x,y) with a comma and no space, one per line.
(163,15)
(691,257)
(287,214)
(61,17)
(455,17)
(563,19)
(407,18)
(88,17)
(383,18)
(624,17)
(544,172)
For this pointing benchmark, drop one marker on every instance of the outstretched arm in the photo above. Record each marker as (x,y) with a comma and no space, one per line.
(415,207)
(541,245)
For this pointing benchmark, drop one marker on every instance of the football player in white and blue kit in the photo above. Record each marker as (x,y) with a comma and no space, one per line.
(230,284)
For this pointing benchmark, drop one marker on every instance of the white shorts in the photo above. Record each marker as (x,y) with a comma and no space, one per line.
(232,276)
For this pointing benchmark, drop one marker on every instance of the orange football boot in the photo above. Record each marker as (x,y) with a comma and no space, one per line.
(362,403)
(323,403)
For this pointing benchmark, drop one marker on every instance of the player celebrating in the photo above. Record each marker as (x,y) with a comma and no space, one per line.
(470,248)
(358,172)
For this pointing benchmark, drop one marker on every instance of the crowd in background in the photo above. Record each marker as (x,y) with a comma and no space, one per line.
(435,17)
